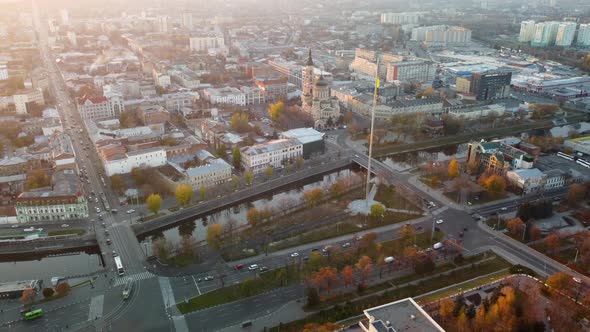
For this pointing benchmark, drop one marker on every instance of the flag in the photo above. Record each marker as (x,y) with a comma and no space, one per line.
(377,82)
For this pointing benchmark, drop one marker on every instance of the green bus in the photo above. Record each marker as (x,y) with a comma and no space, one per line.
(128,288)
(34,314)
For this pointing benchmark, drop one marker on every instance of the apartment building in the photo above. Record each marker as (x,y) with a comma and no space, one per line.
(275,153)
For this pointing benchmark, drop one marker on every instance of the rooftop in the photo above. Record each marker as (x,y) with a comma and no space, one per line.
(304,135)
(270,146)
(402,315)
(532,173)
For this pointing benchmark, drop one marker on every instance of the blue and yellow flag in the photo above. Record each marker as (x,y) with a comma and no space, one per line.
(377,82)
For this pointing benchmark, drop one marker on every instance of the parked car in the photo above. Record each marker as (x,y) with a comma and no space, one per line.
(440,221)
(65,225)
(295,254)
(239,267)
(130,211)
(346,245)
(208,278)
(263,269)
(253,267)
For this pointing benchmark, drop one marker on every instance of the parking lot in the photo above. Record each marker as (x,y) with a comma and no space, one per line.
(552,161)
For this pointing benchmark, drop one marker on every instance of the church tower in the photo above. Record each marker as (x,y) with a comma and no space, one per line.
(306,98)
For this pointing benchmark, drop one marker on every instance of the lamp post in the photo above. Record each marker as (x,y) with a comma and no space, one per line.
(432,231)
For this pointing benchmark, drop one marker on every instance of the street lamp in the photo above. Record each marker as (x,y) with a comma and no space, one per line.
(432,231)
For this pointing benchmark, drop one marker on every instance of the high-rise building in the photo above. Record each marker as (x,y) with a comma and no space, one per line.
(411,71)
(545,34)
(401,18)
(65,16)
(565,33)
(187,20)
(491,85)
(527,30)
(583,35)
(441,35)
(162,23)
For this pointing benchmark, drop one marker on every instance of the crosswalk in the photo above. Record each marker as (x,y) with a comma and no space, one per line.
(135,277)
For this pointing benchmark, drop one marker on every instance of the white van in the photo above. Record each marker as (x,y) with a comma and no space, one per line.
(437,246)
(389,259)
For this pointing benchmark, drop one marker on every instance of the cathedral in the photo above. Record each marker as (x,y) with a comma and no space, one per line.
(316,100)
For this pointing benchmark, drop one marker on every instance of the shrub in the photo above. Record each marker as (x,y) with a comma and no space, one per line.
(48,292)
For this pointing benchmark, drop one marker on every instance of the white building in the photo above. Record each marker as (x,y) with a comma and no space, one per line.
(227,95)
(583,35)
(545,34)
(254,95)
(24,98)
(526,180)
(162,80)
(101,108)
(441,35)
(565,34)
(63,201)
(555,178)
(473,113)
(271,154)
(204,43)
(116,161)
(401,18)
(527,30)
(215,172)
(410,71)
(187,21)
(3,71)
(162,23)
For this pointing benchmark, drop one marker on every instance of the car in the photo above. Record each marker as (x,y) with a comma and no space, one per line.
(461,234)
(419,228)
(65,225)
(208,278)
(346,245)
(99,217)
(130,211)
(327,249)
(440,221)
(97,210)
(358,238)
(263,268)
(106,232)
(295,254)
(30,229)
(103,224)
(253,267)
(465,229)
(114,253)
(109,241)
(15,226)
(239,267)
(504,209)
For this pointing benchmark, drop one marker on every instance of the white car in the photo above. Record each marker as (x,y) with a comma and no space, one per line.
(65,225)
(440,221)
(253,267)
(130,211)
(97,210)
(295,254)
(15,226)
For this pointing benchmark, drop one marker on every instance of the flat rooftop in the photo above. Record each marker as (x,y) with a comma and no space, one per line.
(403,315)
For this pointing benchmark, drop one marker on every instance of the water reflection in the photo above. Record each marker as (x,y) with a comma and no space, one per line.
(46,267)
(235,216)
(405,161)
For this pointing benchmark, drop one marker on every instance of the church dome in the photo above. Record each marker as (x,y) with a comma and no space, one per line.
(321,81)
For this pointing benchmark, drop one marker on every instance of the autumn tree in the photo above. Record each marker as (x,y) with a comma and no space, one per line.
(553,242)
(453,168)
(337,189)
(276,110)
(560,281)
(299,162)
(377,210)
(214,233)
(48,292)
(236,158)
(117,183)
(37,178)
(406,233)
(184,194)
(239,122)
(493,183)
(325,279)
(189,247)
(313,197)
(364,266)
(313,297)
(446,308)
(154,202)
(63,288)
(326,327)
(162,248)
(347,275)
(515,226)
(28,296)
(367,243)
(472,167)
(575,194)
(253,216)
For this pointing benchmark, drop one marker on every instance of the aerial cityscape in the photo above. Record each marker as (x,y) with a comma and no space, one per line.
(316,166)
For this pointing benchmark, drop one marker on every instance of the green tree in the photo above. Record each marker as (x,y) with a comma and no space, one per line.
(203,191)
(269,171)
(154,202)
(222,151)
(248,177)
(236,158)
(377,210)
(117,183)
(214,233)
(235,180)
(184,194)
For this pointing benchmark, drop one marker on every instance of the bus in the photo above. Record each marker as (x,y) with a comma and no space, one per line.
(565,156)
(34,314)
(128,288)
(583,162)
(119,266)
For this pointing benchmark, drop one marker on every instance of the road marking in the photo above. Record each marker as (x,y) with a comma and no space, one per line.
(196,285)
(96,307)
(167,293)
(134,277)
(180,324)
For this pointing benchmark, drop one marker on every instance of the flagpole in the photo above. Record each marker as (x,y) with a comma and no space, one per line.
(377,83)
